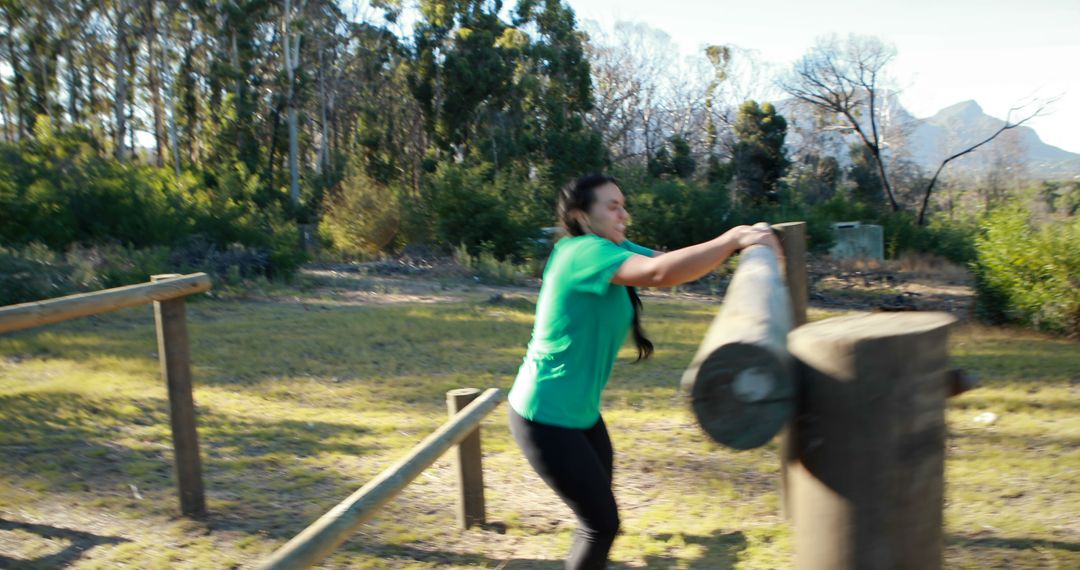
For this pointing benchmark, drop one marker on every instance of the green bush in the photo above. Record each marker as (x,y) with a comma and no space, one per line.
(60,190)
(951,239)
(362,217)
(487,268)
(1029,274)
(471,206)
(669,214)
(34,272)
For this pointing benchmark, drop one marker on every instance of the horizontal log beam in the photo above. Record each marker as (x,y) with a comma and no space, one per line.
(740,383)
(38,313)
(317,541)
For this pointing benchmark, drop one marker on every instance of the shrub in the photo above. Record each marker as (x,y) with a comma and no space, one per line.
(470,206)
(669,214)
(32,273)
(60,189)
(1029,274)
(487,268)
(362,217)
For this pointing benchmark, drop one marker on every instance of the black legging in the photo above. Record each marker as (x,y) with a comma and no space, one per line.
(576,464)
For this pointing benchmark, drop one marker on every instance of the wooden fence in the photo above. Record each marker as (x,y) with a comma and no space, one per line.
(167,293)
(322,537)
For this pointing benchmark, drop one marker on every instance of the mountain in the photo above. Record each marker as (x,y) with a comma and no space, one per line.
(959,126)
(951,130)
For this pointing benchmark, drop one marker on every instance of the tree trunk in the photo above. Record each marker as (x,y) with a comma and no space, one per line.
(168,80)
(154,57)
(18,80)
(91,94)
(6,112)
(294,171)
(885,180)
(292,54)
(74,85)
(120,84)
(324,149)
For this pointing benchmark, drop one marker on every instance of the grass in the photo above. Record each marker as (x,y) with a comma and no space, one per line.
(302,399)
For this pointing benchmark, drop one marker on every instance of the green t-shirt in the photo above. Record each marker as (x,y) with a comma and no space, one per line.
(581,322)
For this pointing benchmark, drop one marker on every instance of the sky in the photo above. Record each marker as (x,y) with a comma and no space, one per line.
(996,52)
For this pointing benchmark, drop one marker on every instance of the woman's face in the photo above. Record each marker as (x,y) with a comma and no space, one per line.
(607,217)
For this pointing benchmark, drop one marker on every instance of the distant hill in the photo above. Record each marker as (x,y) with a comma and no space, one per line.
(955,128)
(958,126)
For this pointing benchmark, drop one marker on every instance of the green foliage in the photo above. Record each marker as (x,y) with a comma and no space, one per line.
(61,192)
(669,214)
(474,208)
(58,189)
(34,272)
(678,162)
(814,178)
(863,173)
(362,217)
(759,159)
(1028,273)
(951,239)
(487,268)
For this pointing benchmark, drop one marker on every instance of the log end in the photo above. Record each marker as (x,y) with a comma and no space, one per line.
(742,395)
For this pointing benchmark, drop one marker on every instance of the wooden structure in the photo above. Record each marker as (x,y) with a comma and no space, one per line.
(740,384)
(866,477)
(318,540)
(467,464)
(167,293)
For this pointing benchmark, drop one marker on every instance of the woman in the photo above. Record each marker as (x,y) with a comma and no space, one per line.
(586,306)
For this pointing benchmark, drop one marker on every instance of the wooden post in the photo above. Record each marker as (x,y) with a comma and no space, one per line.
(318,540)
(793,241)
(171,319)
(867,480)
(467,463)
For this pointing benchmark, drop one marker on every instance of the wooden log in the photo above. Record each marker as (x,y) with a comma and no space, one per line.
(317,541)
(867,482)
(467,464)
(170,317)
(739,383)
(38,313)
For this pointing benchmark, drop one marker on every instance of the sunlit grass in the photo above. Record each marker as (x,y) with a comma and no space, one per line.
(301,402)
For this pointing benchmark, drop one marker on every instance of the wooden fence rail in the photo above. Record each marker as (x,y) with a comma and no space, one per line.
(167,293)
(322,537)
(38,313)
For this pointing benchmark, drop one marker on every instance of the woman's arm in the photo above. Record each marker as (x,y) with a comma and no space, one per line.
(690,263)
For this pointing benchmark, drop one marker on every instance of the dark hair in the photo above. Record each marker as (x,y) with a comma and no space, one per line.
(580,195)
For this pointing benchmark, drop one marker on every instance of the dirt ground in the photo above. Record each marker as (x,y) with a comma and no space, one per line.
(908,284)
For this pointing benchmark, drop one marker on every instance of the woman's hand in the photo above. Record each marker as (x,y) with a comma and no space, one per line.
(757,234)
(692,262)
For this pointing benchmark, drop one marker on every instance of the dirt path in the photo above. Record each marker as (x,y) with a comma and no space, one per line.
(905,285)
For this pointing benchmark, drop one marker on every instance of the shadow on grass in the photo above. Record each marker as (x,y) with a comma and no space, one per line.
(1011,543)
(78,542)
(95,449)
(1016,443)
(1021,361)
(720,552)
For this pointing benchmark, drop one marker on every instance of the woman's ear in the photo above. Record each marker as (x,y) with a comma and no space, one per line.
(583,221)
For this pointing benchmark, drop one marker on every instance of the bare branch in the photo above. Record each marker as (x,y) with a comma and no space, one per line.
(1041,106)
